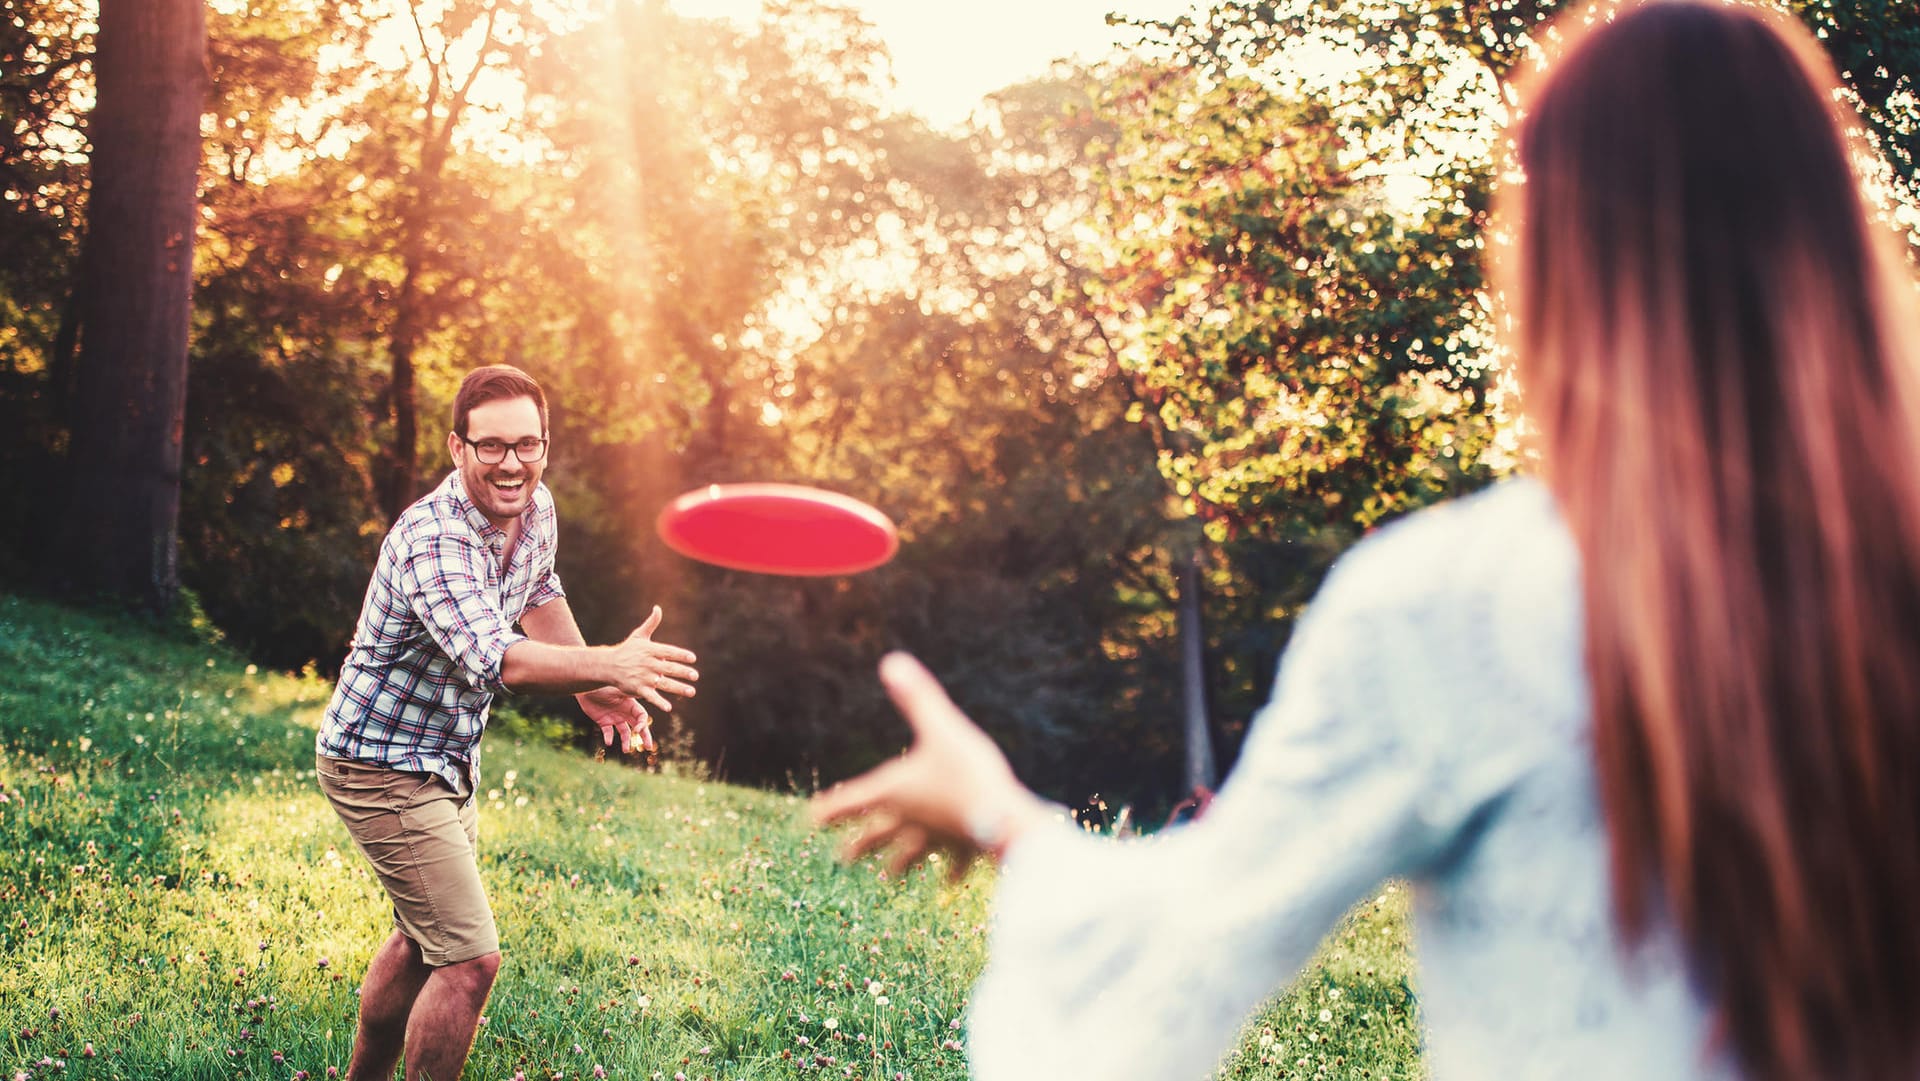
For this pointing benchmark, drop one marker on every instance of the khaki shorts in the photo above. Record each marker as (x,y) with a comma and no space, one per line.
(421,837)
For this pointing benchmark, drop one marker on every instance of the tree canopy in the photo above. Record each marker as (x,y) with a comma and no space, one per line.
(1214,305)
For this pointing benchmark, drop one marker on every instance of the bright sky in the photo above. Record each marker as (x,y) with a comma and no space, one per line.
(947,56)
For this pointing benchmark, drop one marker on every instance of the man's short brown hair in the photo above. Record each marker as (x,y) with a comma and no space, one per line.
(491,384)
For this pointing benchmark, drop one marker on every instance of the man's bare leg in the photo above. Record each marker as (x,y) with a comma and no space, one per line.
(445,1016)
(394,980)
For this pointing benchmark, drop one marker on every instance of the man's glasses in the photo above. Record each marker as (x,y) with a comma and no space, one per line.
(493,451)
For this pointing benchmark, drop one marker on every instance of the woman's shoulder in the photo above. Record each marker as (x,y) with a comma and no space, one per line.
(1465,619)
(1507,535)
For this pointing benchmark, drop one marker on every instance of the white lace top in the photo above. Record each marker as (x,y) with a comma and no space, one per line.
(1429,721)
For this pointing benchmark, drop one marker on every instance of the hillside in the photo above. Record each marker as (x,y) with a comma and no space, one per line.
(177,901)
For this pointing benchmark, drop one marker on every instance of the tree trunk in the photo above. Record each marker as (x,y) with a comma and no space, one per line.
(118,535)
(403,473)
(1193,677)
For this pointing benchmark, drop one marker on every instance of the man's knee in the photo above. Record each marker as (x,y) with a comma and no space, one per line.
(478,972)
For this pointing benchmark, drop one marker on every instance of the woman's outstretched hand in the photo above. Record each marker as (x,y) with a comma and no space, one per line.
(952,791)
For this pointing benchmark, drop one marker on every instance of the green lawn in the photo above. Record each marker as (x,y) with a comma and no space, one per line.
(177,901)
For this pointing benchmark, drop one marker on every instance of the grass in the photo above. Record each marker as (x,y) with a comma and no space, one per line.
(177,901)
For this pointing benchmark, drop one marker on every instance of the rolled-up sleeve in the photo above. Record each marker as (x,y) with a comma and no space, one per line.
(444,576)
(546,591)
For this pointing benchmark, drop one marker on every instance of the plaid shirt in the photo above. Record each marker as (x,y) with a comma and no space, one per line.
(439,615)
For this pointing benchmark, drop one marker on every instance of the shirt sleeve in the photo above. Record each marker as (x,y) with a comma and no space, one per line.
(548,589)
(1142,959)
(444,578)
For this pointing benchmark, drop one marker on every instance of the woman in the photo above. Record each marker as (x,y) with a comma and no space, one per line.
(1644,732)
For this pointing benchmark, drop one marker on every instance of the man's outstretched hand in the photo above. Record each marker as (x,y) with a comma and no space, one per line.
(652,670)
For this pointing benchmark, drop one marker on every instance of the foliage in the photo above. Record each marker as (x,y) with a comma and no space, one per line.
(43,47)
(710,308)
(176,900)
(1313,355)
(1310,328)
(1875,46)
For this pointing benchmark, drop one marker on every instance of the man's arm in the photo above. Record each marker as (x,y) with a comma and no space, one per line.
(555,659)
(613,710)
(552,623)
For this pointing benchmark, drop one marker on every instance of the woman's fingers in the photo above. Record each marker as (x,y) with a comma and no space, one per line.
(854,796)
(880,831)
(958,863)
(918,695)
(910,843)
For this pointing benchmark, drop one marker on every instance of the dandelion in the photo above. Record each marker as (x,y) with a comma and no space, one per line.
(643,1001)
(881,1000)
(830,1024)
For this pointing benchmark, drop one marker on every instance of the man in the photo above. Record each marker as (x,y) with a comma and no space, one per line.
(399,749)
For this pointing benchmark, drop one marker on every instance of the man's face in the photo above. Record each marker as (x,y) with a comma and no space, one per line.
(502,490)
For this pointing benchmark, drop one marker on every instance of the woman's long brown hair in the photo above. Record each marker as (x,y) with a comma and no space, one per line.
(1717,348)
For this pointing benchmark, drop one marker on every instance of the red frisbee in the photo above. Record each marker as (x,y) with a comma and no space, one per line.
(778,529)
